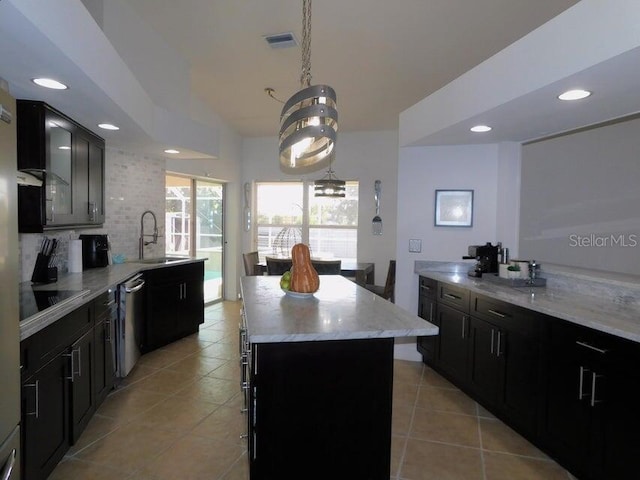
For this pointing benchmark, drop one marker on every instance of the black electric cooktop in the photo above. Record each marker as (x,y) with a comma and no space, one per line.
(35,301)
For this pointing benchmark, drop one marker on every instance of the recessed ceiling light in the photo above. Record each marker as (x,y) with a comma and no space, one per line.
(171,150)
(49,83)
(574,94)
(480,128)
(64,147)
(108,126)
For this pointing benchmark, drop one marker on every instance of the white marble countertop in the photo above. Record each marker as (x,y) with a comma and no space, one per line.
(602,314)
(88,284)
(339,310)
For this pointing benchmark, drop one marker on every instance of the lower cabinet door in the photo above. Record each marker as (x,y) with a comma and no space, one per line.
(454,333)
(45,419)
(486,363)
(81,354)
(104,360)
(566,422)
(429,346)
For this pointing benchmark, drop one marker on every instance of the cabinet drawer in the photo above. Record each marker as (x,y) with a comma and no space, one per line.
(41,347)
(175,273)
(454,296)
(105,306)
(502,313)
(428,287)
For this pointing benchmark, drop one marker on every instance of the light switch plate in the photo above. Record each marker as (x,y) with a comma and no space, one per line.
(415,246)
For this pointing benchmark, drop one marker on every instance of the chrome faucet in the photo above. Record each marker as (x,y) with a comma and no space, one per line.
(141,241)
(533,266)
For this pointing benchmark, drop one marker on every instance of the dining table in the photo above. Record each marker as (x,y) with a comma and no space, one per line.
(363,273)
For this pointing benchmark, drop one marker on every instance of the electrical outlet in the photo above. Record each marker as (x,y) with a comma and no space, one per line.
(415,246)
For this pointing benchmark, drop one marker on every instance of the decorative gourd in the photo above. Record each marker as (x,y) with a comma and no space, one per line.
(304,278)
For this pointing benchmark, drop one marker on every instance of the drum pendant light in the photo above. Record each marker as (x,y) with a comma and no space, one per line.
(309,119)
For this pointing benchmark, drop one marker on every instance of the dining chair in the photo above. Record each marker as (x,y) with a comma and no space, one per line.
(277,266)
(250,261)
(327,267)
(388,290)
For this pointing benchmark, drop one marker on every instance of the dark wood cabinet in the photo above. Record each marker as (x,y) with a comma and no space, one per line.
(54,407)
(453,353)
(504,359)
(70,161)
(174,303)
(428,309)
(590,419)
(81,382)
(321,408)
(67,369)
(569,389)
(104,335)
(45,418)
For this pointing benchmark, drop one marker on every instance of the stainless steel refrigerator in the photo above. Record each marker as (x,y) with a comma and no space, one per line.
(9,279)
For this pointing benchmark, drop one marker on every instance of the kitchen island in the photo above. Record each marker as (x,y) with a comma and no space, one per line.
(318,378)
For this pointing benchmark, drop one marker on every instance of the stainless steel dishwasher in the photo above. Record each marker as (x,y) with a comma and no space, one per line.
(130,323)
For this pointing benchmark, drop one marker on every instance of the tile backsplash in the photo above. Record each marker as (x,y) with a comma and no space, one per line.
(133,183)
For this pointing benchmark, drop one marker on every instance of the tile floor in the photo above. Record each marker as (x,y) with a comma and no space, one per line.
(177,416)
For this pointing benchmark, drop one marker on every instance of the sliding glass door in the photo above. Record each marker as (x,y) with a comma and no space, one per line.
(195,227)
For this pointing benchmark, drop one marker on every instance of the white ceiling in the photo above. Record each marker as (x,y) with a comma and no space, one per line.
(381,57)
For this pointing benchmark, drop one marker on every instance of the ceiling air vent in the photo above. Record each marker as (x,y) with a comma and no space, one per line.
(281,40)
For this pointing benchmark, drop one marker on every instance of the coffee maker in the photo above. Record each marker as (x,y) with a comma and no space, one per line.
(95,251)
(486,257)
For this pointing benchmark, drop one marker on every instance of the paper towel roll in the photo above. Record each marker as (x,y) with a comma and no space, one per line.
(75,256)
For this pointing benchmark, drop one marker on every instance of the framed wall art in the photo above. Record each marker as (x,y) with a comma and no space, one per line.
(454,208)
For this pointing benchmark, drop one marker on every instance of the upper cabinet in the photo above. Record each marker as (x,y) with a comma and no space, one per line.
(70,161)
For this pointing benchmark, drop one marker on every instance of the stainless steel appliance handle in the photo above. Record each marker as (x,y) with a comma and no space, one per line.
(8,466)
(135,288)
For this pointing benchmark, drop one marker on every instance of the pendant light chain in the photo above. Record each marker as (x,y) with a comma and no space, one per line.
(309,119)
(305,78)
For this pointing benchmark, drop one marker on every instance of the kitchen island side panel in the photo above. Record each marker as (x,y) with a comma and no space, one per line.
(321,409)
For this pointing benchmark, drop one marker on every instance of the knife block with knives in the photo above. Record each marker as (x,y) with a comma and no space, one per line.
(46,270)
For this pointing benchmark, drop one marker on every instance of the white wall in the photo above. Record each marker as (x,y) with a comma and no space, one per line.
(365,157)
(422,170)
(226,169)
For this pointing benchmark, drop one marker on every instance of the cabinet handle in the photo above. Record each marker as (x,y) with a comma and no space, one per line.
(453,297)
(431,312)
(426,287)
(73,363)
(92,211)
(499,346)
(498,314)
(107,330)
(581,393)
(594,376)
(464,325)
(591,347)
(35,385)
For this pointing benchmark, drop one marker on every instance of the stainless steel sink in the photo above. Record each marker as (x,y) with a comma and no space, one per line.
(160,260)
